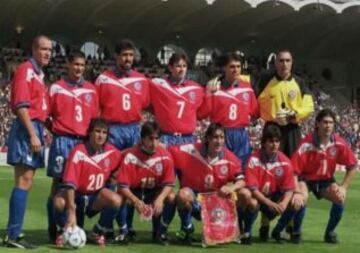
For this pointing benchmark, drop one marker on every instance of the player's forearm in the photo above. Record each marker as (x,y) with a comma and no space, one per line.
(70,200)
(126,192)
(260,197)
(239,184)
(287,197)
(348,177)
(164,193)
(23,114)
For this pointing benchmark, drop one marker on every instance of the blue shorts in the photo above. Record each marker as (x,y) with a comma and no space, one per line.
(84,206)
(124,136)
(237,140)
(174,139)
(275,197)
(60,149)
(317,187)
(19,150)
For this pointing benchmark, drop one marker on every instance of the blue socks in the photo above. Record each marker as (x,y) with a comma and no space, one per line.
(17,206)
(185,217)
(298,220)
(249,219)
(335,216)
(284,220)
(166,217)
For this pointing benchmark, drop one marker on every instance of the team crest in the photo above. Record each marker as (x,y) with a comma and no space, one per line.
(333,151)
(88,98)
(159,168)
(279,172)
(107,162)
(137,86)
(245,96)
(218,215)
(224,170)
(292,94)
(192,95)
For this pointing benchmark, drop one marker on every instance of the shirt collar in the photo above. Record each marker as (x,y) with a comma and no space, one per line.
(92,151)
(120,73)
(173,81)
(146,151)
(226,84)
(265,158)
(36,66)
(316,139)
(281,79)
(204,152)
(79,83)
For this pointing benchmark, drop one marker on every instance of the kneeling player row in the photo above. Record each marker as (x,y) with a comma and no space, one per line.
(146,178)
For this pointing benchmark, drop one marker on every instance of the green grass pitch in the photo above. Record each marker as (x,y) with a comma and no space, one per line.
(315,222)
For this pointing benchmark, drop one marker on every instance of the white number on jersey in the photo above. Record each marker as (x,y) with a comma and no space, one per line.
(79,113)
(126,102)
(181,105)
(233,112)
(148,183)
(96,181)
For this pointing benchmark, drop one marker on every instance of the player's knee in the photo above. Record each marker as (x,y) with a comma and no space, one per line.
(184,197)
(170,198)
(59,203)
(253,204)
(244,197)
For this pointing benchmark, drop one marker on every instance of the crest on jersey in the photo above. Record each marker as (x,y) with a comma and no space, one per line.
(88,98)
(159,168)
(192,95)
(246,96)
(279,171)
(224,170)
(292,94)
(137,86)
(333,151)
(218,215)
(107,162)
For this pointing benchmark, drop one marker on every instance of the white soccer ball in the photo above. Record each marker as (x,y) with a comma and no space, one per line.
(75,237)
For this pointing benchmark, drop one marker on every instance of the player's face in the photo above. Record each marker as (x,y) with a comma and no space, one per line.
(150,142)
(125,59)
(76,68)
(98,137)
(178,70)
(216,142)
(232,70)
(283,64)
(271,146)
(325,126)
(42,52)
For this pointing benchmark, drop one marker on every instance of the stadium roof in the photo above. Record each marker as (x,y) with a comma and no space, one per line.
(314,28)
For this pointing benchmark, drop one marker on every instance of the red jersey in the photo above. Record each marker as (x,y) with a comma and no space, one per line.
(313,162)
(28,90)
(202,175)
(122,98)
(72,107)
(231,107)
(87,173)
(176,105)
(269,176)
(140,170)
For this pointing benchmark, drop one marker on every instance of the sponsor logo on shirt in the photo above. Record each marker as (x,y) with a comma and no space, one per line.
(159,168)
(137,86)
(279,172)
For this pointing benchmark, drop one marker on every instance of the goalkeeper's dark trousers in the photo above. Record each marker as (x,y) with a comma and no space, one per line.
(290,138)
